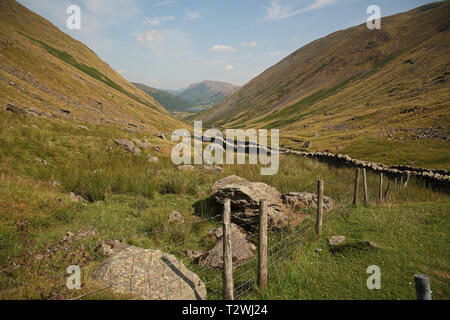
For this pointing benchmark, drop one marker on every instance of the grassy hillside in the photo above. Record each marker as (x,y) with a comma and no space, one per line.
(45,69)
(207,93)
(169,101)
(126,197)
(374,94)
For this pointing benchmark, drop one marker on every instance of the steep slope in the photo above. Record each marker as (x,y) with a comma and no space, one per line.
(169,101)
(207,93)
(375,94)
(44,68)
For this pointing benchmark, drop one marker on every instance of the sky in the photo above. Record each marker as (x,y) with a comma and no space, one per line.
(171,44)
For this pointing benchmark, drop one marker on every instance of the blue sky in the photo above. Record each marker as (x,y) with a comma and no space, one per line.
(173,43)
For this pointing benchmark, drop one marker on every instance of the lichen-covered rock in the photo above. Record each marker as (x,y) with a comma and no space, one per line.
(150,275)
(241,247)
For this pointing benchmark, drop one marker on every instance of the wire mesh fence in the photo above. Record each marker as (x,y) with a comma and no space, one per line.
(152,274)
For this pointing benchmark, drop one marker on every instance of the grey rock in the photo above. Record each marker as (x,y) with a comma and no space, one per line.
(128,146)
(241,247)
(176,217)
(245,197)
(150,275)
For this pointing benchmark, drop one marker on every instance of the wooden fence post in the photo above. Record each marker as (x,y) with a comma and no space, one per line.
(408,175)
(387,190)
(380,190)
(423,291)
(262,245)
(355,193)
(366,196)
(228,287)
(319,207)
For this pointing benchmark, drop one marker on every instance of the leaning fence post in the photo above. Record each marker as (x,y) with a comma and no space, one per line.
(355,193)
(319,207)
(227,255)
(262,245)
(423,291)
(408,175)
(380,190)
(387,190)
(366,196)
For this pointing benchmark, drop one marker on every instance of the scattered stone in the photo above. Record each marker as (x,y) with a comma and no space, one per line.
(305,199)
(144,144)
(157,148)
(111,247)
(43,161)
(12,107)
(154,275)
(307,144)
(242,249)
(130,130)
(335,240)
(193,254)
(161,135)
(128,146)
(245,197)
(74,197)
(83,128)
(211,168)
(176,217)
(152,159)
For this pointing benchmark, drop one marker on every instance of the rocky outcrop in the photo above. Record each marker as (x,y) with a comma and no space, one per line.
(241,247)
(26,112)
(150,275)
(128,146)
(245,197)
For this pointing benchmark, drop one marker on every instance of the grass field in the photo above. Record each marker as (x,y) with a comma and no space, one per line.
(128,198)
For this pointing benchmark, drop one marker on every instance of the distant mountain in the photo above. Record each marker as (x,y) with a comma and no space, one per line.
(173,92)
(208,93)
(169,101)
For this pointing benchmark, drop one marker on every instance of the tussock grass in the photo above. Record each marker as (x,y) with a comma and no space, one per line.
(128,198)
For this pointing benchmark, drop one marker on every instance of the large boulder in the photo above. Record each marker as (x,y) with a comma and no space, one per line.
(305,199)
(150,275)
(245,197)
(241,247)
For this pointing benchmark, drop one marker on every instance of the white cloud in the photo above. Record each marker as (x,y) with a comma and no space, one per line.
(158,20)
(222,48)
(278,9)
(229,68)
(249,44)
(164,3)
(165,42)
(191,15)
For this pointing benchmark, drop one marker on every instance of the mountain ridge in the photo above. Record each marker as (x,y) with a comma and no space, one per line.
(207,92)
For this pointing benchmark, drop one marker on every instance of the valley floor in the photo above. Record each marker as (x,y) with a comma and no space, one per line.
(125,197)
